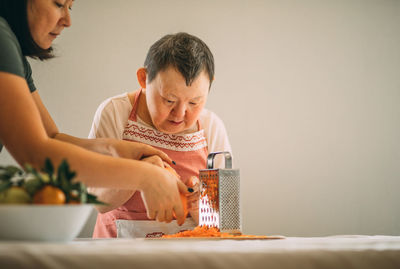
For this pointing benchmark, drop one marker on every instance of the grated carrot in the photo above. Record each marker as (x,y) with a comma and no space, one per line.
(204,231)
(210,190)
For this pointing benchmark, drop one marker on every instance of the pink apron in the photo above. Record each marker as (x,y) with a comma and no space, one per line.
(189,151)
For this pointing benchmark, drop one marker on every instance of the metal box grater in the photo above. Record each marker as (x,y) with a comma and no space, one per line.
(219,204)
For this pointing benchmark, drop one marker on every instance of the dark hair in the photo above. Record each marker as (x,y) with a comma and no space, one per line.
(187,53)
(16,14)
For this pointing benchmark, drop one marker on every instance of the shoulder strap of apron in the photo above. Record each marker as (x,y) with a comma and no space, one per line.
(133,114)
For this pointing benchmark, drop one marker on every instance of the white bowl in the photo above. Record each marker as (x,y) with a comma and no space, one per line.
(42,222)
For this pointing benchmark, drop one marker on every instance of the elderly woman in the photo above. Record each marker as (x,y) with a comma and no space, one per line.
(168,113)
(28,28)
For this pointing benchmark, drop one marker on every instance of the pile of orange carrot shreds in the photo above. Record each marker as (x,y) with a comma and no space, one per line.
(199,231)
(204,231)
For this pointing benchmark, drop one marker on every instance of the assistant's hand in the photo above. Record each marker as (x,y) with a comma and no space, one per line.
(160,195)
(116,197)
(156,160)
(135,150)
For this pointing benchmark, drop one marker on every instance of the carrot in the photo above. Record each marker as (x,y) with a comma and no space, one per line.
(205,231)
(199,231)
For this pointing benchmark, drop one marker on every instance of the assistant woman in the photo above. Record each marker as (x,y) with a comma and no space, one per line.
(27,29)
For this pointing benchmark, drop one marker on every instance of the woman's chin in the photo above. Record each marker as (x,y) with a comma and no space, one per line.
(44,45)
(169,130)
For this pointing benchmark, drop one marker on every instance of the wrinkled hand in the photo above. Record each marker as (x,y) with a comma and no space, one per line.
(193,198)
(156,160)
(161,196)
(135,150)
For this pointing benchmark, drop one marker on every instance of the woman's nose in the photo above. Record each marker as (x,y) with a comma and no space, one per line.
(179,111)
(66,19)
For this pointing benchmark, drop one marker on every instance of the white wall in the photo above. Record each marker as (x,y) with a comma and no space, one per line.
(309,92)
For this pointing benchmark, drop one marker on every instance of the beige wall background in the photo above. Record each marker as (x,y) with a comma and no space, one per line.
(309,92)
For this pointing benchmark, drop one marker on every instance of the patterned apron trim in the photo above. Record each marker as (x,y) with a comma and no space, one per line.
(135,131)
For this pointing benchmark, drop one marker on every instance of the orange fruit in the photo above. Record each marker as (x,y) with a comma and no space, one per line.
(49,195)
(182,196)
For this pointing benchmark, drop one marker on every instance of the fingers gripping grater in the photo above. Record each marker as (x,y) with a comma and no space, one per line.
(219,204)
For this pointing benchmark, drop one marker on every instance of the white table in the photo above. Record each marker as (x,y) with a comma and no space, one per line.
(317,252)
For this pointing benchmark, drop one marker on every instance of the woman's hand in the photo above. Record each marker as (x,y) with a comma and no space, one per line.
(156,160)
(193,198)
(136,151)
(115,197)
(161,196)
(115,147)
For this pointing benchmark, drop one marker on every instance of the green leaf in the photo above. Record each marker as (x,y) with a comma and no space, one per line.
(5,185)
(63,179)
(33,171)
(92,199)
(13,170)
(8,172)
(62,168)
(49,169)
(83,194)
(33,185)
(71,175)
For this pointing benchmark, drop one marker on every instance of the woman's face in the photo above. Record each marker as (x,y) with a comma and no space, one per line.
(173,106)
(47,18)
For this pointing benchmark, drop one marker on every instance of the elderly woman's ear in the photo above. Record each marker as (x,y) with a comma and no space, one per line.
(142,76)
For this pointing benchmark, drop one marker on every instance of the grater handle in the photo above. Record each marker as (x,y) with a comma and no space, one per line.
(228,159)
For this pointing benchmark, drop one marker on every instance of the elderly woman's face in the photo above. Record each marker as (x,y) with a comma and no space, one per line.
(175,107)
(47,18)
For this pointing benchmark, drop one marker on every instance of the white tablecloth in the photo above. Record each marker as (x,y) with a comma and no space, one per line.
(317,252)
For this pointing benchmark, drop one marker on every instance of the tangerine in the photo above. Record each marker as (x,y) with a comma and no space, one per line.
(49,195)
